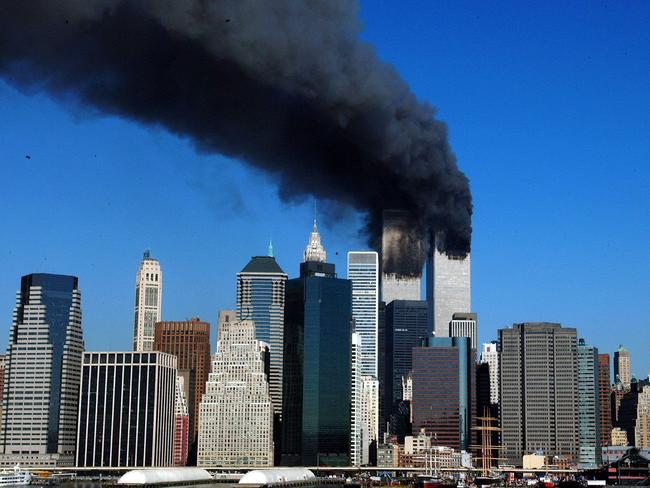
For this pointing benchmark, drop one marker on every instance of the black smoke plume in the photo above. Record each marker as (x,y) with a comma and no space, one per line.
(284,85)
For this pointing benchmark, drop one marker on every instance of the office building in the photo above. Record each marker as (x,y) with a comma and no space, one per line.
(148,302)
(464,325)
(490,356)
(370,407)
(181,425)
(189,341)
(622,367)
(538,390)
(604,400)
(42,369)
(619,437)
(358,438)
(236,416)
(260,298)
(395,241)
(363,272)
(126,410)
(642,425)
(317,385)
(2,383)
(443,382)
(406,326)
(448,288)
(225,317)
(590,454)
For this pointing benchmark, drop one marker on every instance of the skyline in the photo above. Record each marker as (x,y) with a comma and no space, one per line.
(562,235)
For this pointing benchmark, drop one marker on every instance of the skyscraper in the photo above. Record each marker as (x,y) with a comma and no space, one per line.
(539,390)
(604,400)
(394,241)
(448,288)
(443,378)
(317,384)
(148,302)
(189,341)
(260,298)
(224,319)
(236,416)
(126,409)
(358,452)
(622,367)
(363,271)
(43,365)
(490,356)
(181,425)
(590,455)
(464,325)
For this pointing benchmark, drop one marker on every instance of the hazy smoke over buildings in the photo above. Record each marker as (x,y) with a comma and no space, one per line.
(284,85)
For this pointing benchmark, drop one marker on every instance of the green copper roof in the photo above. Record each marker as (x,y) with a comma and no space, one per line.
(270,251)
(262,264)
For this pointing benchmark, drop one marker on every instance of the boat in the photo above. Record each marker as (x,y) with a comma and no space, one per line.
(14,477)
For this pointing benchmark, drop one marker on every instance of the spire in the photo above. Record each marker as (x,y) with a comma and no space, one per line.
(270,251)
(315,250)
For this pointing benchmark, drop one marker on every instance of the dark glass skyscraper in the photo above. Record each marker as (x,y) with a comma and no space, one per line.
(317,366)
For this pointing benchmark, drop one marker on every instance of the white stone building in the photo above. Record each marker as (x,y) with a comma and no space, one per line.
(490,355)
(148,302)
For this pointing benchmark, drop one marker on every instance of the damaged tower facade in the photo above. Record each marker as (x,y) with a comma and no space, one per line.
(395,241)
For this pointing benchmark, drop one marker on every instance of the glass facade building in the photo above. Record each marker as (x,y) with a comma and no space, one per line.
(443,385)
(316,421)
(588,407)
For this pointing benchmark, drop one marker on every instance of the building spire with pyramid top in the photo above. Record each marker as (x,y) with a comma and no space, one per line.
(270,250)
(315,252)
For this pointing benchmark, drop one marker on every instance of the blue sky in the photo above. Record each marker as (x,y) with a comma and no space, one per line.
(548,107)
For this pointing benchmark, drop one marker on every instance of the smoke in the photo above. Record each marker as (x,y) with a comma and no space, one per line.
(284,85)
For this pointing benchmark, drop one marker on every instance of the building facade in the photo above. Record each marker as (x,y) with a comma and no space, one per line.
(604,399)
(358,448)
(538,390)
(642,425)
(443,384)
(126,410)
(260,298)
(236,416)
(42,370)
(590,455)
(189,341)
(464,325)
(622,372)
(448,288)
(181,425)
(395,240)
(317,387)
(490,356)
(148,302)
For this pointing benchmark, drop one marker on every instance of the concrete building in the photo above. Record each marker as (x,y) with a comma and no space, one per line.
(148,302)
(260,298)
(443,385)
(363,272)
(2,382)
(642,426)
(358,451)
(539,390)
(619,437)
(464,325)
(490,356)
(317,382)
(225,317)
(590,454)
(622,367)
(126,410)
(189,341)
(448,288)
(42,370)
(394,240)
(236,415)
(370,407)
(604,399)
(181,444)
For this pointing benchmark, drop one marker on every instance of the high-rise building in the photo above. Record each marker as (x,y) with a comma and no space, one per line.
(622,367)
(642,426)
(464,325)
(148,302)
(394,241)
(260,298)
(443,382)
(126,409)
(370,406)
(181,425)
(448,288)
(490,356)
(629,409)
(358,452)
(43,365)
(317,384)
(590,454)
(189,341)
(2,382)
(538,390)
(236,417)
(363,271)
(224,319)
(604,401)
(406,326)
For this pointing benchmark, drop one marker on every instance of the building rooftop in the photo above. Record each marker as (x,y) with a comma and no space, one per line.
(262,264)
